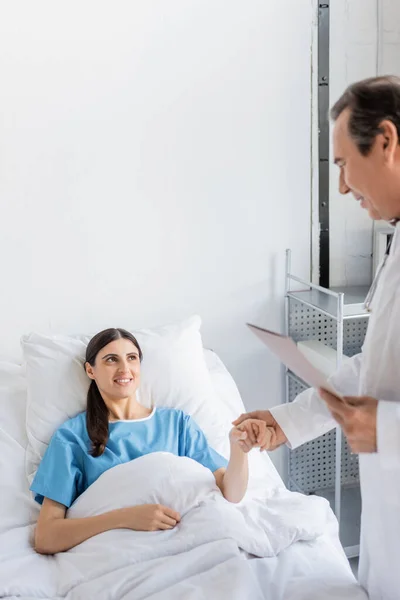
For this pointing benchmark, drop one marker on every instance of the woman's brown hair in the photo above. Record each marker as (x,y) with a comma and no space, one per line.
(97,411)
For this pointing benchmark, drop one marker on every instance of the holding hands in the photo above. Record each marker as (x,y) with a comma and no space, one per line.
(257,430)
(357,417)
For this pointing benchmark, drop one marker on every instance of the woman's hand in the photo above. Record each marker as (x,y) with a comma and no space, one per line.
(54,533)
(238,437)
(233,481)
(149,517)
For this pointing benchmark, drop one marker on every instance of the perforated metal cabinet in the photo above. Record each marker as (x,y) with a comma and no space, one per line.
(312,467)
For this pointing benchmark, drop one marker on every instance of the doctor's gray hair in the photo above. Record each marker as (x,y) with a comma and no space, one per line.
(370,101)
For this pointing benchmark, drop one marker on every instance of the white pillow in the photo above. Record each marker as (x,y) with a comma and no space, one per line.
(17,508)
(224,385)
(263,474)
(174,374)
(13,402)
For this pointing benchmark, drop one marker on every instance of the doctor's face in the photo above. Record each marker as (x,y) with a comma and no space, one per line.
(374,179)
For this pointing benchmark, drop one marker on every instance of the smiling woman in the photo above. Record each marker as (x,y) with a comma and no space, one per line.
(116,429)
(113,359)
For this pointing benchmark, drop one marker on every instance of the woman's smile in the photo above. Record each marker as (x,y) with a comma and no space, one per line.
(123,381)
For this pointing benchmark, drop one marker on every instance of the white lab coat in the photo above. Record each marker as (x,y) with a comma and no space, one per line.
(375,372)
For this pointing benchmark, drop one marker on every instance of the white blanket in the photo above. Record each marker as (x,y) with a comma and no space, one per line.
(132,564)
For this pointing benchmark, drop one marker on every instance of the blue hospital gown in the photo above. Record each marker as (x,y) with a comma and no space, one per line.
(67,469)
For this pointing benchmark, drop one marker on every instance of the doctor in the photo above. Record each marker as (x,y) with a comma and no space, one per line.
(366,140)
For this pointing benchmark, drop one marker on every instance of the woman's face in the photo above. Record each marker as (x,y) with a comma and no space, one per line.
(116,370)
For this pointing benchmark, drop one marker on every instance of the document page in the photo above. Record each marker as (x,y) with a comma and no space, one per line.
(286,349)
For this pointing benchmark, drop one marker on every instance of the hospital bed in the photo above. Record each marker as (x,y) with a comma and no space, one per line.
(305,570)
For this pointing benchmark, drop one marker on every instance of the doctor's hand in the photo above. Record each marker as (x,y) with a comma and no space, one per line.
(262,429)
(357,416)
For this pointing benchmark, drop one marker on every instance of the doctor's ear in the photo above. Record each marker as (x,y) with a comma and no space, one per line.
(89,370)
(390,140)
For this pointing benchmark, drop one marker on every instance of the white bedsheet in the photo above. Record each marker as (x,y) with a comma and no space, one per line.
(202,558)
(259,526)
(218,568)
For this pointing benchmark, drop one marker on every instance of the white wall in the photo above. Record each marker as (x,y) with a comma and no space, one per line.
(353,56)
(390,37)
(365,41)
(154,163)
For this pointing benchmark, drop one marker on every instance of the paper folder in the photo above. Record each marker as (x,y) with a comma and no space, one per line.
(287,351)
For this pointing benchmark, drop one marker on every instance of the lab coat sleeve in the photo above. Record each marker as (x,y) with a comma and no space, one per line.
(308,417)
(388,434)
(388,413)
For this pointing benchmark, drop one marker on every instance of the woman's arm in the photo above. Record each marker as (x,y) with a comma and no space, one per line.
(233,480)
(54,533)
